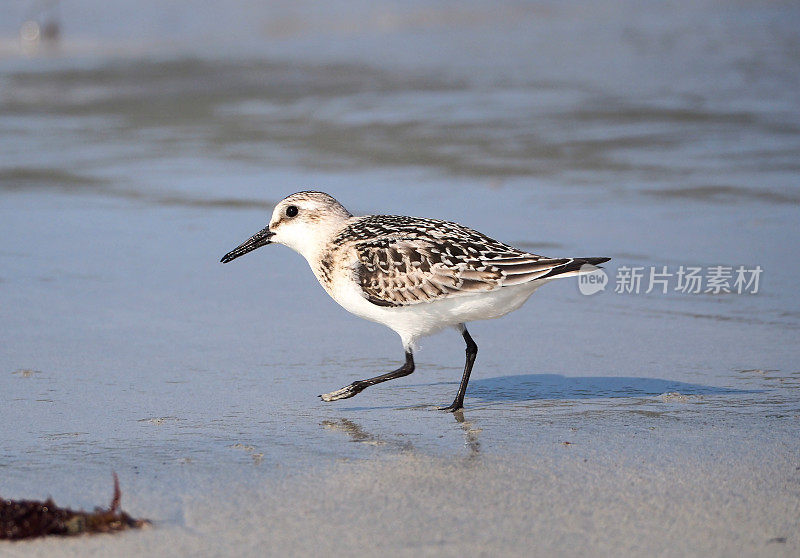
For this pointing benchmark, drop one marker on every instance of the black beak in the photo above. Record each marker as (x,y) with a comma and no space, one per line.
(261,238)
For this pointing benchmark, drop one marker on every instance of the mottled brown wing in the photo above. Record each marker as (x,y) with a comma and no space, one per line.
(402,272)
(409,271)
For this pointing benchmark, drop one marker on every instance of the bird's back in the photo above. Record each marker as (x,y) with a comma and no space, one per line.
(402,261)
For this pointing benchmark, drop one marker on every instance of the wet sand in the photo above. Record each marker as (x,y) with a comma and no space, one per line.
(611,424)
(205,405)
(570,501)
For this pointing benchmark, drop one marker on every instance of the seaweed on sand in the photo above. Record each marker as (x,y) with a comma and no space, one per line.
(23,519)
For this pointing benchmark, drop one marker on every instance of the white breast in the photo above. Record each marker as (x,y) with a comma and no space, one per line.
(419,320)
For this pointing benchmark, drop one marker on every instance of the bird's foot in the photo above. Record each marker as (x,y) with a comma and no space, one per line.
(453,407)
(344,393)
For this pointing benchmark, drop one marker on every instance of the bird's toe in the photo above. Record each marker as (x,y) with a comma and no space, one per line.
(452,408)
(344,393)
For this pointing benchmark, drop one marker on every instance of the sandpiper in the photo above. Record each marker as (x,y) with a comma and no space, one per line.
(413,275)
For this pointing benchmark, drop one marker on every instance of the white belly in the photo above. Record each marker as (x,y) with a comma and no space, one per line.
(418,320)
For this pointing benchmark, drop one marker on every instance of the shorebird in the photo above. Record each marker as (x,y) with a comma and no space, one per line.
(414,275)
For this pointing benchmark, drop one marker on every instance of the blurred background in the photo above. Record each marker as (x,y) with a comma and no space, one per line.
(661,101)
(140,141)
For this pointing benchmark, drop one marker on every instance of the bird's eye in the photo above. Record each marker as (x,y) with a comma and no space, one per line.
(291,211)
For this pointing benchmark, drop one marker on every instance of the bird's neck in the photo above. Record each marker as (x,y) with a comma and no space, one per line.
(314,247)
(324,255)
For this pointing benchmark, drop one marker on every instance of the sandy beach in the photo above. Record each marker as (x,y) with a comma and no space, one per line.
(646,418)
(573,501)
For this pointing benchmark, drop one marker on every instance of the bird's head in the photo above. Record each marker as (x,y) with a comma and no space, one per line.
(303,221)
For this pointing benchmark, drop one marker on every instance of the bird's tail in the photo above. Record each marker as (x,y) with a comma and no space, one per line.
(573,266)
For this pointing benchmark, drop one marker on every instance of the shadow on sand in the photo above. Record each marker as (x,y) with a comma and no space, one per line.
(554,386)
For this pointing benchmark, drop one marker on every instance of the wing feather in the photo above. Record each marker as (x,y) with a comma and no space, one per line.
(401,261)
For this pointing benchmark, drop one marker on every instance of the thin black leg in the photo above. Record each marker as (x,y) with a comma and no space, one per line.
(360,385)
(472,352)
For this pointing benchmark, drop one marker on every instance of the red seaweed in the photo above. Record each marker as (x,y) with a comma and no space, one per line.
(24,519)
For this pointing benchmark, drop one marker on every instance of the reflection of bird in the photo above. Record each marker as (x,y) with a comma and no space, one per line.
(416,276)
(470,433)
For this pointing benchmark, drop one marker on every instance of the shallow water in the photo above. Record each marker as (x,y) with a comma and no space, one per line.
(134,156)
